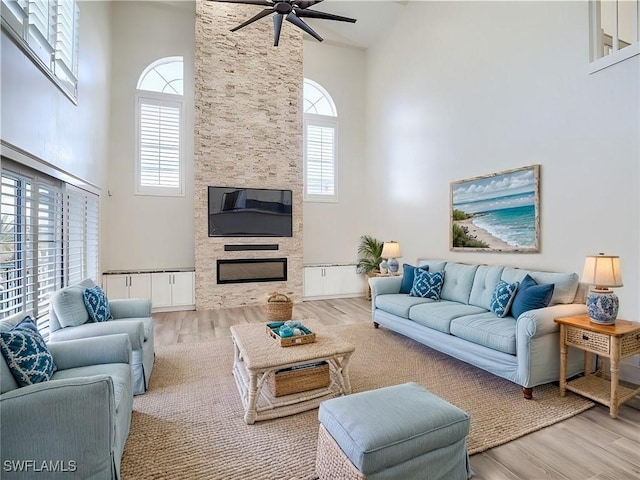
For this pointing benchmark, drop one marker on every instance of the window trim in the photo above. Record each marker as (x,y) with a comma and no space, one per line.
(20,33)
(168,100)
(618,55)
(320,120)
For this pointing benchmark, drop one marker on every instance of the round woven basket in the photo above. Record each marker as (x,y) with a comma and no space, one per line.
(279,307)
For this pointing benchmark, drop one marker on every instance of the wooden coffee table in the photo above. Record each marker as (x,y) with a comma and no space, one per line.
(257,355)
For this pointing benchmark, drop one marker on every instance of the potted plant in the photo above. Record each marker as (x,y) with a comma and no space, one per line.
(369,254)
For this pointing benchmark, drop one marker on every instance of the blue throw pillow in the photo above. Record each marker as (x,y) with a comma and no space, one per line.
(531,296)
(408,275)
(97,304)
(502,297)
(427,284)
(26,354)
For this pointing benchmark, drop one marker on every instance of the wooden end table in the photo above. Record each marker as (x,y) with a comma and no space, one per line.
(614,342)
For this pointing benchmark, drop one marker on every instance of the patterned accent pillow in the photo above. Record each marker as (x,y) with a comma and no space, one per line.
(97,304)
(531,296)
(427,284)
(26,354)
(502,297)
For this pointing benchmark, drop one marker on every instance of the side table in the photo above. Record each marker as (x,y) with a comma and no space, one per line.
(614,342)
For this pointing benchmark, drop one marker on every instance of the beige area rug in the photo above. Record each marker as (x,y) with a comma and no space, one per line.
(189,424)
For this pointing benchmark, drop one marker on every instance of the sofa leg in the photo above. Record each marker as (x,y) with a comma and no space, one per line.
(528,393)
(375,325)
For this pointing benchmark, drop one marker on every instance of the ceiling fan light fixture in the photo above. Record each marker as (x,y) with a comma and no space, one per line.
(290,10)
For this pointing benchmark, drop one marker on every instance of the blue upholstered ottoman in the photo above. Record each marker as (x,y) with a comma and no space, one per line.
(399,432)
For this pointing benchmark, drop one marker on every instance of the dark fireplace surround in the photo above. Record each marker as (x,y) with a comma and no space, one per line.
(250,270)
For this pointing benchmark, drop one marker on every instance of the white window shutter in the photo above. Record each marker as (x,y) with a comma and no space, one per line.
(159,146)
(320,160)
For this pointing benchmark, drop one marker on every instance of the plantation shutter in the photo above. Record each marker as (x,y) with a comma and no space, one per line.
(66,47)
(159,138)
(30,246)
(320,149)
(47,275)
(81,235)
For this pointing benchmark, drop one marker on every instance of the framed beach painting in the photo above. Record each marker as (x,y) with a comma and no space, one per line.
(498,212)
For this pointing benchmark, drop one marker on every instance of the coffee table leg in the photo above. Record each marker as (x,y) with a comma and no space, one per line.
(345,373)
(252,412)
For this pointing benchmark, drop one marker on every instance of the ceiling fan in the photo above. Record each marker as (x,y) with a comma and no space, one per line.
(290,10)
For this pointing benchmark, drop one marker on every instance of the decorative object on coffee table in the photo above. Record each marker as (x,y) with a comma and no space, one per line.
(279,307)
(302,336)
(602,271)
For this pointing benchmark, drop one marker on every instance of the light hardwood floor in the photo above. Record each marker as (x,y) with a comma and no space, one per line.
(589,446)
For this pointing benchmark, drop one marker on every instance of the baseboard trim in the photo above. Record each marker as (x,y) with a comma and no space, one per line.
(172,309)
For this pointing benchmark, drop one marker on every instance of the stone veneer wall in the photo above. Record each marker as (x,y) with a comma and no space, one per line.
(248,133)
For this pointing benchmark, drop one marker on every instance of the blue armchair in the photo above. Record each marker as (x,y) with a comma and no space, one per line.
(78,421)
(69,320)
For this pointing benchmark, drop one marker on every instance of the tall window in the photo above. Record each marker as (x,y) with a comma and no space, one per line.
(48,239)
(159,107)
(47,31)
(615,31)
(320,132)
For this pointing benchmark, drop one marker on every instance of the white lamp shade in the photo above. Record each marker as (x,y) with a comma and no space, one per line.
(602,271)
(390,250)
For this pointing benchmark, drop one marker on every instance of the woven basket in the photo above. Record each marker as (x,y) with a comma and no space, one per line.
(279,307)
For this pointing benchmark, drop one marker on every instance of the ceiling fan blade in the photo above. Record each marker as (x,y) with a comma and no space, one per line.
(264,3)
(277,27)
(300,24)
(305,3)
(322,15)
(263,13)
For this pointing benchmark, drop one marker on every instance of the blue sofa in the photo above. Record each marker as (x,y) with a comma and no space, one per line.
(76,423)
(461,324)
(69,320)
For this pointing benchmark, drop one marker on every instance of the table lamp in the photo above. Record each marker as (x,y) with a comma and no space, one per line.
(602,271)
(391,251)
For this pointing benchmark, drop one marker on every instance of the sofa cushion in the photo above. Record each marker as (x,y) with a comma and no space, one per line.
(433,264)
(438,315)
(26,354)
(120,373)
(531,296)
(484,283)
(565,285)
(502,297)
(69,306)
(427,284)
(95,300)
(487,330)
(147,324)
(399,303)
(408,274)
(458,282)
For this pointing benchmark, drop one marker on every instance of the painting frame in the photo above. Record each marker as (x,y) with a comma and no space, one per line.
(497,212)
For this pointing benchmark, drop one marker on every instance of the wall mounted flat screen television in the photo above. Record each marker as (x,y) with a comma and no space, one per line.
(249,212)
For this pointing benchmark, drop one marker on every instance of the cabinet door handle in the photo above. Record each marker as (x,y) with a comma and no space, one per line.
(585,337)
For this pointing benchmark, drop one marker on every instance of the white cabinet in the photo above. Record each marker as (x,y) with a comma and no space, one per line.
(333,281)
(172,289)
(130,285)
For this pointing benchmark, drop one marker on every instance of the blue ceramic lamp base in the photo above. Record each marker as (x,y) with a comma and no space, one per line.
(393,265)
(602,306)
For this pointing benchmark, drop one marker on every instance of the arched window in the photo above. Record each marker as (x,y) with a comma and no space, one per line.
(159,107)
(320,139)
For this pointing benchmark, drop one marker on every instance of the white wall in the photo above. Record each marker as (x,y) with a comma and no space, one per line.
(464,89)
(39,119)
(332,230)
(143,231)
